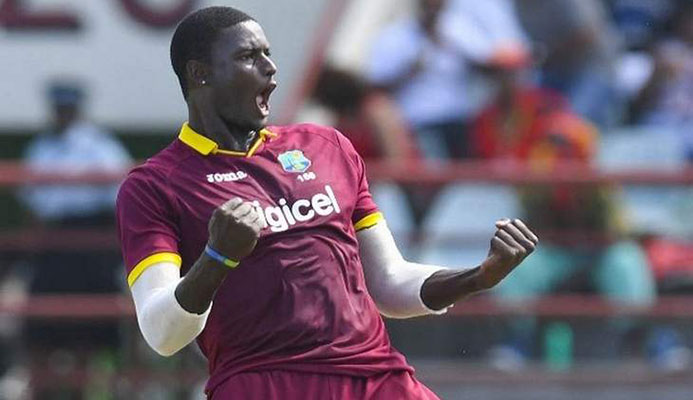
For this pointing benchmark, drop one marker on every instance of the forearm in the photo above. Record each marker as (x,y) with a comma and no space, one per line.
(402,289)
(196,290)
(234,229)
(511,243)
(446,287)
(165,325)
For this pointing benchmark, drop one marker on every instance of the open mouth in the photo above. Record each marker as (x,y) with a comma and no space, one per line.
(262,98)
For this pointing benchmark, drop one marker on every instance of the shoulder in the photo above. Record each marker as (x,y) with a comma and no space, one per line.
(307,131)
(86,133)
(300,128)
(318,136)
(154,174)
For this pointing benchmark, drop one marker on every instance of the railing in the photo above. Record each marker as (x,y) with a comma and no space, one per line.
(99,307)
(109,306)
(15,174)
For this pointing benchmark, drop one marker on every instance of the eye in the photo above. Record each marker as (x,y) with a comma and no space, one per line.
(268,53)
(246,57)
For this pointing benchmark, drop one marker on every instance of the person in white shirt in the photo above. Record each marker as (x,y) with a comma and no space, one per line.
(72,145)
(424,73)
(427,63)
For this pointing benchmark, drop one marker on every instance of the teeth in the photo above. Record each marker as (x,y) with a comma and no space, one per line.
(260,99)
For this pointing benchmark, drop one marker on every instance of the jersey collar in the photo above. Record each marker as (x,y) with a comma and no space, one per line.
(207,146)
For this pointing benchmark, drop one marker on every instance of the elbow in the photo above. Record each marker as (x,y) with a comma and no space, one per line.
(161,345)
(393,309)
(166,336)
(410,311)
(166,351)
(165,326)
(394,315)
(402,300)
(398,314)
(397,297)
(385,304)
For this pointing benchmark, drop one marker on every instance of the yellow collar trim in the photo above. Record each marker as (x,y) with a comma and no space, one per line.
(207,146)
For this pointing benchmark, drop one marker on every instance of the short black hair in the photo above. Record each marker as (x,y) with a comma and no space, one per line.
(195,35)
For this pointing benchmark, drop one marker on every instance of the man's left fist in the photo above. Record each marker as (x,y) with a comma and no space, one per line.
(511,243)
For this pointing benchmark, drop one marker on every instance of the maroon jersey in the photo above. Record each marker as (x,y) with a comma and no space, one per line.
(299,301)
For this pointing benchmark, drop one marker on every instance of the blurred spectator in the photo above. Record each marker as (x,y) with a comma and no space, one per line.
(640,24)
(366,116)
(667,98)
(579,225)
(72,145)
(421,66)
(512,125)
(375,127)
(430,64)
(580,49)
(484,28)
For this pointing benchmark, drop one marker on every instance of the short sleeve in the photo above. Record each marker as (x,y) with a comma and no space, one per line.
(366,213)
(146,221)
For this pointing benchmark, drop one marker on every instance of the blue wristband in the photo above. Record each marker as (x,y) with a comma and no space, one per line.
(224,260)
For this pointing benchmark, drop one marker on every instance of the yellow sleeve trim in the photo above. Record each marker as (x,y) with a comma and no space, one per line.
(149,261)
(368,221)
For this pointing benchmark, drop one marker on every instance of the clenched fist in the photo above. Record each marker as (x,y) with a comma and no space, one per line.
(512,242)
(234,229)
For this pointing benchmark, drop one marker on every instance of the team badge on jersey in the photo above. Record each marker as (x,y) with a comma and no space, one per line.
(294,161)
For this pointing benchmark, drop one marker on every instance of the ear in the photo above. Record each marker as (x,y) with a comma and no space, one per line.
(197,74)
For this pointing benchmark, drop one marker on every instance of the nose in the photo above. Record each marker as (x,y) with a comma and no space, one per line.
(269,67)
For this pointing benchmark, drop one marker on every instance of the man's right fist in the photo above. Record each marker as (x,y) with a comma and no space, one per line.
(234,229)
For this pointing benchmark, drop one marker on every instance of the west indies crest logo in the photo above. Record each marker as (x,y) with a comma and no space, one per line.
(294,161)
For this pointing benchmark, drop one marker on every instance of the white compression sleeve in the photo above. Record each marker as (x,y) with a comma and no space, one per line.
(165,325)
(394,283)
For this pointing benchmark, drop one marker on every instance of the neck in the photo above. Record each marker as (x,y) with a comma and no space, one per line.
(206,122)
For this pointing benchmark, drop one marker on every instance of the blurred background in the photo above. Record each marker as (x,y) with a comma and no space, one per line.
(575,115)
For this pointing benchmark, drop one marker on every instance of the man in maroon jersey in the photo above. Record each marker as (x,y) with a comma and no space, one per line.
(286,262)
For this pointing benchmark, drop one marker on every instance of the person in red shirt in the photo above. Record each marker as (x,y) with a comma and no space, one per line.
(520,114)
(581,225)
(366,116)
(264,244)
